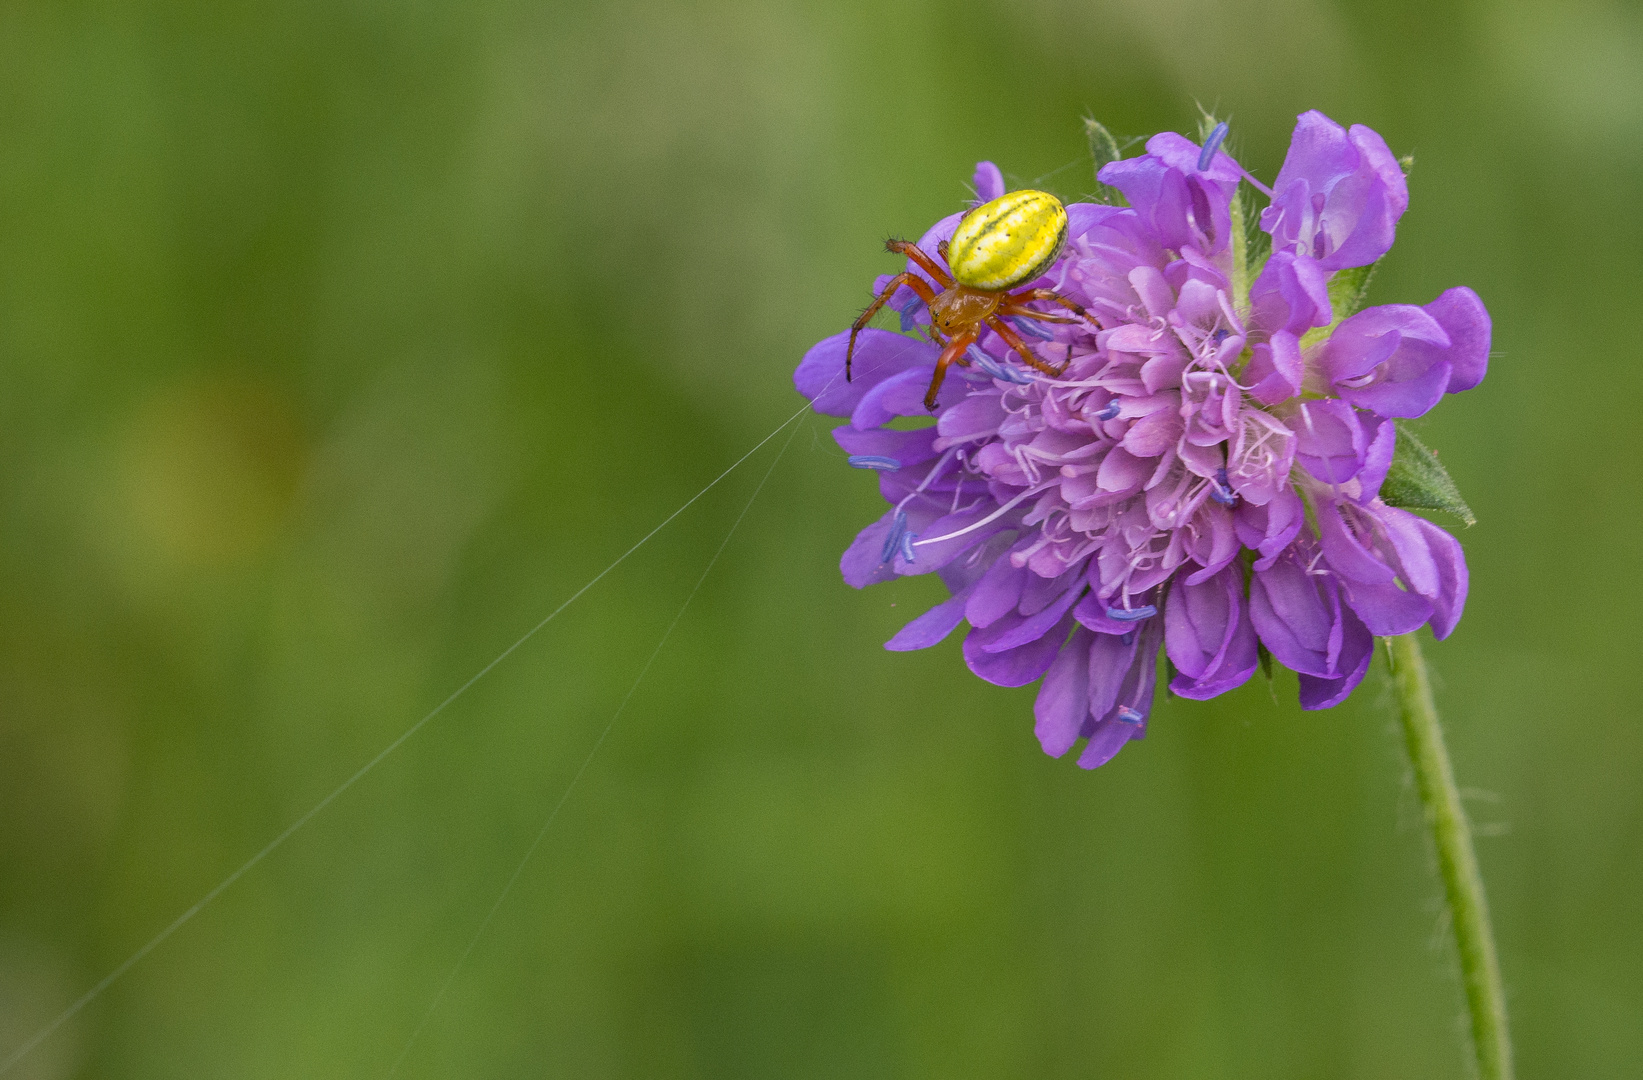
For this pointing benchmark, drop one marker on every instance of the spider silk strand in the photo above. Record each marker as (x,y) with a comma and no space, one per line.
(564,796)
(273,845)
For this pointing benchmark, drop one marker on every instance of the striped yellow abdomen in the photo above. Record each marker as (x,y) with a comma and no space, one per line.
(1010,240)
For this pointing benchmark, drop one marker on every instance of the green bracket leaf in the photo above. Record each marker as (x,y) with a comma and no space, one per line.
(1418,480)
(1104,149)
(1207,121)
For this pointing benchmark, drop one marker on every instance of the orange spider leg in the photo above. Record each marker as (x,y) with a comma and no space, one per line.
(1051,295)
(912,281)
(954,351)
(929,265)
(1014,310)
(1011,339)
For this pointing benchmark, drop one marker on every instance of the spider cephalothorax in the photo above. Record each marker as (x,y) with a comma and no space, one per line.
(1013,239)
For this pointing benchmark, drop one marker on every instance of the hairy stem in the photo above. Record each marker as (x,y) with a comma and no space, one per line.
(1240,258)
(1452,836)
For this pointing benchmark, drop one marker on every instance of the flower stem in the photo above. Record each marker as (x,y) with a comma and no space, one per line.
(1240,258)
(1468,909)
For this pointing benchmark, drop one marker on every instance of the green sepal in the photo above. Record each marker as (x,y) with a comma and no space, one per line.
(1104,149)
(1206,123)
(1250,246)
(1257,241)
(1417,480)
(1265,656)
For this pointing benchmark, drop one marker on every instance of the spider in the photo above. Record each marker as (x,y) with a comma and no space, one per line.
(997,246)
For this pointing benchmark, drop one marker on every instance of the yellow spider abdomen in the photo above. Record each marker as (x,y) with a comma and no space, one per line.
(1010,240)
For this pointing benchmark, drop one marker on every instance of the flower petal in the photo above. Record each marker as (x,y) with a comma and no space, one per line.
(1338,196)
(931,627)
(1123,678)
(1466,321)
(908,447)
(1029,628)
(989,182)
(1387,609)
(902,394)
(1431,563)
(1393,360)
(976,417)
(1345,553)
(863,563)
(879,354)
(1290,294)
(1016,667)
(1208,635)
(1063,702)
(1330,440)
(1293,615)
(997,593)
(1184,207)
(1082,217)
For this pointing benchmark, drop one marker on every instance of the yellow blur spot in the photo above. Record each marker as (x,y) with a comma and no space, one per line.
(211,467)
(1008,241)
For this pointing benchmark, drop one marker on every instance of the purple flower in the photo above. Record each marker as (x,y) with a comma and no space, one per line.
(1339,194)
(1203,477)
(1398,360)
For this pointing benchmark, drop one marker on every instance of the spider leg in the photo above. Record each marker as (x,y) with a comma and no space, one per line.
(999,327)
(912,281)
(929,265)
(954,351)
(1028,313)
(1026,295)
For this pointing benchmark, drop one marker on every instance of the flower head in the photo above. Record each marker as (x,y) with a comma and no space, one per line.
(1204,474)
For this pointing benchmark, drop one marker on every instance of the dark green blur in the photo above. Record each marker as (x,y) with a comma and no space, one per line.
(341,342)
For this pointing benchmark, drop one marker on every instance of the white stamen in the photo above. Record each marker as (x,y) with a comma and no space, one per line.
(994,516)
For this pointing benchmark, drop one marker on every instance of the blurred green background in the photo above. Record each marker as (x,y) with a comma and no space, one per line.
(342,341)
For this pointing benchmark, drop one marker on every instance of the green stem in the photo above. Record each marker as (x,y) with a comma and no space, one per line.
(1468,909)
(1240,258)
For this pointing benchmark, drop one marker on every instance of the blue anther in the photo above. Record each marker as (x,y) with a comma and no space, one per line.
(892,542)
(987,364)
(873,461)
(907,309)
(1031,328)
(1212,144)
(1221,491)
(1145,611)
(1127,637)
(907,552)
(984,363)
(1220,335)
(1130,716)
(1109,410)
